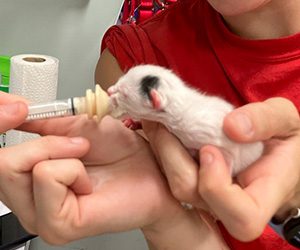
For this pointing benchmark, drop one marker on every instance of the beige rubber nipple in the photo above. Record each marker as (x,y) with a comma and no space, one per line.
(93,104)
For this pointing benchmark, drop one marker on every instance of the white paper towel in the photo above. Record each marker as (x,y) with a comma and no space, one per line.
(34,77)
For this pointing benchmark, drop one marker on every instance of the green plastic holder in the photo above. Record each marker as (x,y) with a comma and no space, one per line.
(4,65)
(4,72)
(4,89)
(5,81)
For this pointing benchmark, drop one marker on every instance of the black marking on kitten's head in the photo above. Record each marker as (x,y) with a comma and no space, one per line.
(148,83)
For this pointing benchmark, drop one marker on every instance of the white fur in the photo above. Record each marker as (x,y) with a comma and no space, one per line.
(195,118)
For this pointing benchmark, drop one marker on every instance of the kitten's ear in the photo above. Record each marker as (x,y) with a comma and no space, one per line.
(149,86)
(155,99)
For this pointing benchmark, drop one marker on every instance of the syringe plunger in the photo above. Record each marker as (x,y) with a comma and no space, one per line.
(57,108)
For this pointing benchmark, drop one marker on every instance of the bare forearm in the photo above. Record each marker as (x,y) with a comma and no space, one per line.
(107,70)
(186,231)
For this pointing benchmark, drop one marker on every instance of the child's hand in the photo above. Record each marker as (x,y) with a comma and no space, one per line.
(272,181)
(263,188)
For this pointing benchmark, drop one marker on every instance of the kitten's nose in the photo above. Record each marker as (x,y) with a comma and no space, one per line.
(111,90)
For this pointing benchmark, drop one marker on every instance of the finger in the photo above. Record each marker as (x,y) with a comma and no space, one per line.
(18,161)
(30,153)
(179,167)
(6,98)
(233,206)
(58,184)
(261,121)
(12,115)
(53,126)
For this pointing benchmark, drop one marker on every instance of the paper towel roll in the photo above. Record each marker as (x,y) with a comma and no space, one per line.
(34,77)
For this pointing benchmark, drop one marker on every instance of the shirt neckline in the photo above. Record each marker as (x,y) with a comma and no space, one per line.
(265,49)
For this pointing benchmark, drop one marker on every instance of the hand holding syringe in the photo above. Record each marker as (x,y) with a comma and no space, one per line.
(92,104)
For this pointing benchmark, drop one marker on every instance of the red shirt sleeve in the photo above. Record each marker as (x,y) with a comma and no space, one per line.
(130,45)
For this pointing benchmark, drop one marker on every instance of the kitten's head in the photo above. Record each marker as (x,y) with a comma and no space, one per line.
(144,91)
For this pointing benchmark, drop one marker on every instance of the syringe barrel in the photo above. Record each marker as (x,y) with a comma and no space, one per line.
(57,108)
(93,104)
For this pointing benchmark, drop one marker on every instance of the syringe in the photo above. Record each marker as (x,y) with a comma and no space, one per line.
(93,104)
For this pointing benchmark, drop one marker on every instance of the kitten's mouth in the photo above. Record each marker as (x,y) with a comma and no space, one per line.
(116,110)
(114,100)
(119,114)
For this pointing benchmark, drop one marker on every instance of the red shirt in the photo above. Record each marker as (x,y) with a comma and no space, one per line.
(192,39)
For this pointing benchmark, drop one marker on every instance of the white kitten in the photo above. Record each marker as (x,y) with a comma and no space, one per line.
(155,93)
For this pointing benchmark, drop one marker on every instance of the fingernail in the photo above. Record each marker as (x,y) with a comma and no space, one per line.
(244,124)
(10,109)
(206,158)
(76,140)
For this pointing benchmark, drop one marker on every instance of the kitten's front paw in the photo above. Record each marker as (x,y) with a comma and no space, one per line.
(131,124)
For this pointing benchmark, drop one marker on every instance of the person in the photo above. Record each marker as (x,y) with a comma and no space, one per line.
(126,189)
(246,52)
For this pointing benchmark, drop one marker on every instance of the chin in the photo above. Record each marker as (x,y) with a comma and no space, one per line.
(236,7)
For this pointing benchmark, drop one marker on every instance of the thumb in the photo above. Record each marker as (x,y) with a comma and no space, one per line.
(262,120)
(12,115)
